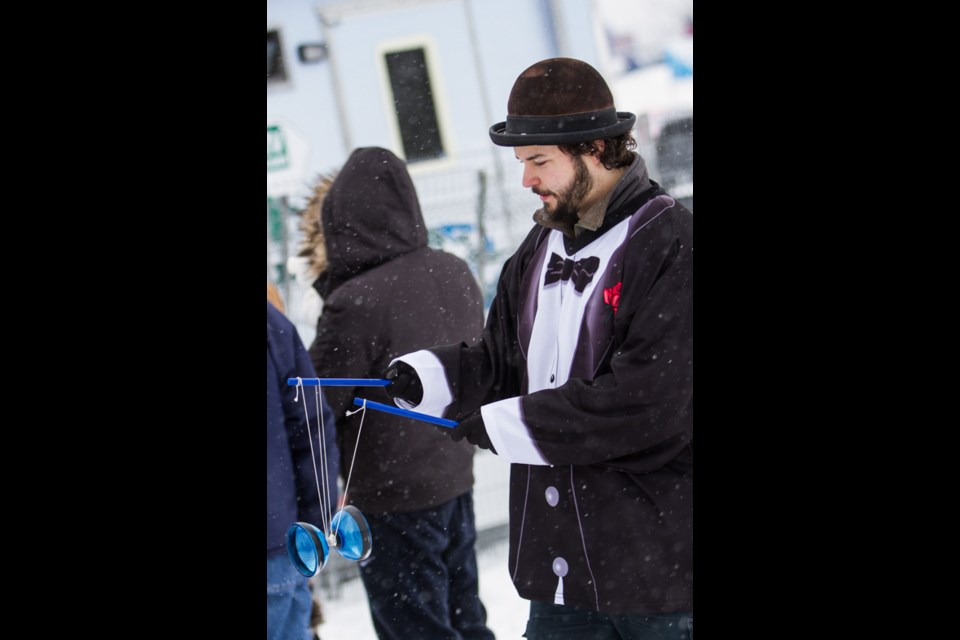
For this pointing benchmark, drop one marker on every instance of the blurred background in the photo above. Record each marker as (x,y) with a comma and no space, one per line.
(426,79)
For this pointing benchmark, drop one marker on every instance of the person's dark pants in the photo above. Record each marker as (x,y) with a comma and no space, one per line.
(559,622)
(421,578)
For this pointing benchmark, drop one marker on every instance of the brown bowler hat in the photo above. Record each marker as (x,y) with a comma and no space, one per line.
(560,101)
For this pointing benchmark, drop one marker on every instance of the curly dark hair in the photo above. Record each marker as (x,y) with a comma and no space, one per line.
(617,152)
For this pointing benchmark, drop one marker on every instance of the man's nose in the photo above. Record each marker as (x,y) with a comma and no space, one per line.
(529,178)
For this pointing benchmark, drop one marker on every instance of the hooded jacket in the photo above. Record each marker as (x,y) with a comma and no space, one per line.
(387,293)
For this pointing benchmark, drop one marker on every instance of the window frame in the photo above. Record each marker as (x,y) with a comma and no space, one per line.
(437,91)
(285,67)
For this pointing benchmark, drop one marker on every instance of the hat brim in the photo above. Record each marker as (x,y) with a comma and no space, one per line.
(500,137)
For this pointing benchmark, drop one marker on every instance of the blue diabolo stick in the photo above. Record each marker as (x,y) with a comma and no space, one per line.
(338,382)
(406,413)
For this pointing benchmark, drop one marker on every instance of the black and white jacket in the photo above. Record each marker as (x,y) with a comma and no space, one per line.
(585,385)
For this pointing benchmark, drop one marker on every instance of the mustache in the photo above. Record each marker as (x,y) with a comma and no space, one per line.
(541,193)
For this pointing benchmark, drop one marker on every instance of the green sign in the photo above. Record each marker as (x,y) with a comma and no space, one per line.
(274,219)
(277,158)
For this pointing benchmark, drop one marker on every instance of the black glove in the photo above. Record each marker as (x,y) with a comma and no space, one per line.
(404,383)
(473,430)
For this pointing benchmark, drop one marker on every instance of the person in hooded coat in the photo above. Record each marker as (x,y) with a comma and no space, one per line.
(385,292)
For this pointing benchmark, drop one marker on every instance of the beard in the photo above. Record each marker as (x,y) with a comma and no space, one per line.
(569,199)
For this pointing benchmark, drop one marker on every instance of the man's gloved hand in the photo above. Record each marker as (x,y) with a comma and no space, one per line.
(473,430)
(405,383)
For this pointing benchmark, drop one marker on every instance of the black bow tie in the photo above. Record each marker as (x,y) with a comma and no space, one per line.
(564,269)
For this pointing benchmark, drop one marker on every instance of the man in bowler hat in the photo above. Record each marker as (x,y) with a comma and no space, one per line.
(583,377)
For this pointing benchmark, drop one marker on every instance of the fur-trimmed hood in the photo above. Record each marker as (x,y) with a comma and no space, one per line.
(312,246)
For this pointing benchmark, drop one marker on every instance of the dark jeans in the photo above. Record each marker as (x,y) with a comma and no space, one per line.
(558,622)
(421,579)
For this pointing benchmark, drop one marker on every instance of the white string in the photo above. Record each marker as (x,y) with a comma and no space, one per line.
(324,462)
(313,456)
(346,487)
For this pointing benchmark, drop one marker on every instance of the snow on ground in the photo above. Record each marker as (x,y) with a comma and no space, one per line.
(348,617)
(345,610)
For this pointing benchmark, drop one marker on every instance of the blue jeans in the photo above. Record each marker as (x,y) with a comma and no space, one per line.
(421,579)
(559,622)
(288,601)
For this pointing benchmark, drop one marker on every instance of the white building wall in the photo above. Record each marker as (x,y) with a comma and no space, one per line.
(510,36)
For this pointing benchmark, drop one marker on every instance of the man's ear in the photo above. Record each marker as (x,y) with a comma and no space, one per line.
(599,146)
